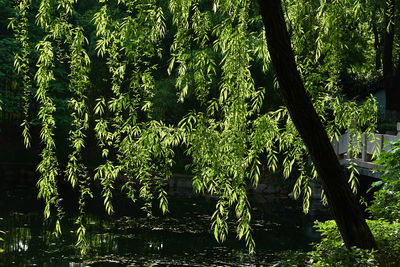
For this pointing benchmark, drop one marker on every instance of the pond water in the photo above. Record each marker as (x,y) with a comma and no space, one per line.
(128,238)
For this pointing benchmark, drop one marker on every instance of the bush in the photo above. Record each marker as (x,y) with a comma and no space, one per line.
(386,205)
(332,252)
(387,199)
(387,235)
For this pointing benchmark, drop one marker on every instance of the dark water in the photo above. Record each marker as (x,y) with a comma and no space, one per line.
(128,238)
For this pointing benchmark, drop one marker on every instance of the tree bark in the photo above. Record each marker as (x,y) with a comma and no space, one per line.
(342,203)
(392,103)
(377,42)
(393,93)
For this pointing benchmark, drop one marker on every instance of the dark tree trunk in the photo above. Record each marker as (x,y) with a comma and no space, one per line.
(377,42)
(388,37)
(342,203)
(393,94)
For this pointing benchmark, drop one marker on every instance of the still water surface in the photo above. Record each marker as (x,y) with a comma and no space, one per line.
(128,238)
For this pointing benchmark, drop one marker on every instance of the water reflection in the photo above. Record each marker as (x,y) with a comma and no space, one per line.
(181,238)
(17,238)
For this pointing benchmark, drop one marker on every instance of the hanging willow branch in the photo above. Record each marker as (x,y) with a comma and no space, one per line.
(21,63)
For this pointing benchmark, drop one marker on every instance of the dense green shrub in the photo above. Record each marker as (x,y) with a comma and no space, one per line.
(386,203)
(387,235)
(332,252)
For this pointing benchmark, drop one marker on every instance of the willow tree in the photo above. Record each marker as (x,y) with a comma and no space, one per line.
(342,203)
(214,48)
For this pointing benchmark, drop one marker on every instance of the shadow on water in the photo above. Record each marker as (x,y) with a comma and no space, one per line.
(181,238)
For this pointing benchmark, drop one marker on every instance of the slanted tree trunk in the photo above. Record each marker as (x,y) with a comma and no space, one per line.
(342,203)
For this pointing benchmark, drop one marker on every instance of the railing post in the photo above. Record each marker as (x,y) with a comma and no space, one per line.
(398,129)
(337,147)
(364,147)
(348,144)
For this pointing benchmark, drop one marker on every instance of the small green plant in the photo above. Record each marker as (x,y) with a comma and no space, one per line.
(387,199)
(332,252)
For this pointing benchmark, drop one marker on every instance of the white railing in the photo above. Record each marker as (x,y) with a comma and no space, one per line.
(366,147)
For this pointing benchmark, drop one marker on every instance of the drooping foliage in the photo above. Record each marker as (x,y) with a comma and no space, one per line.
(229,134)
